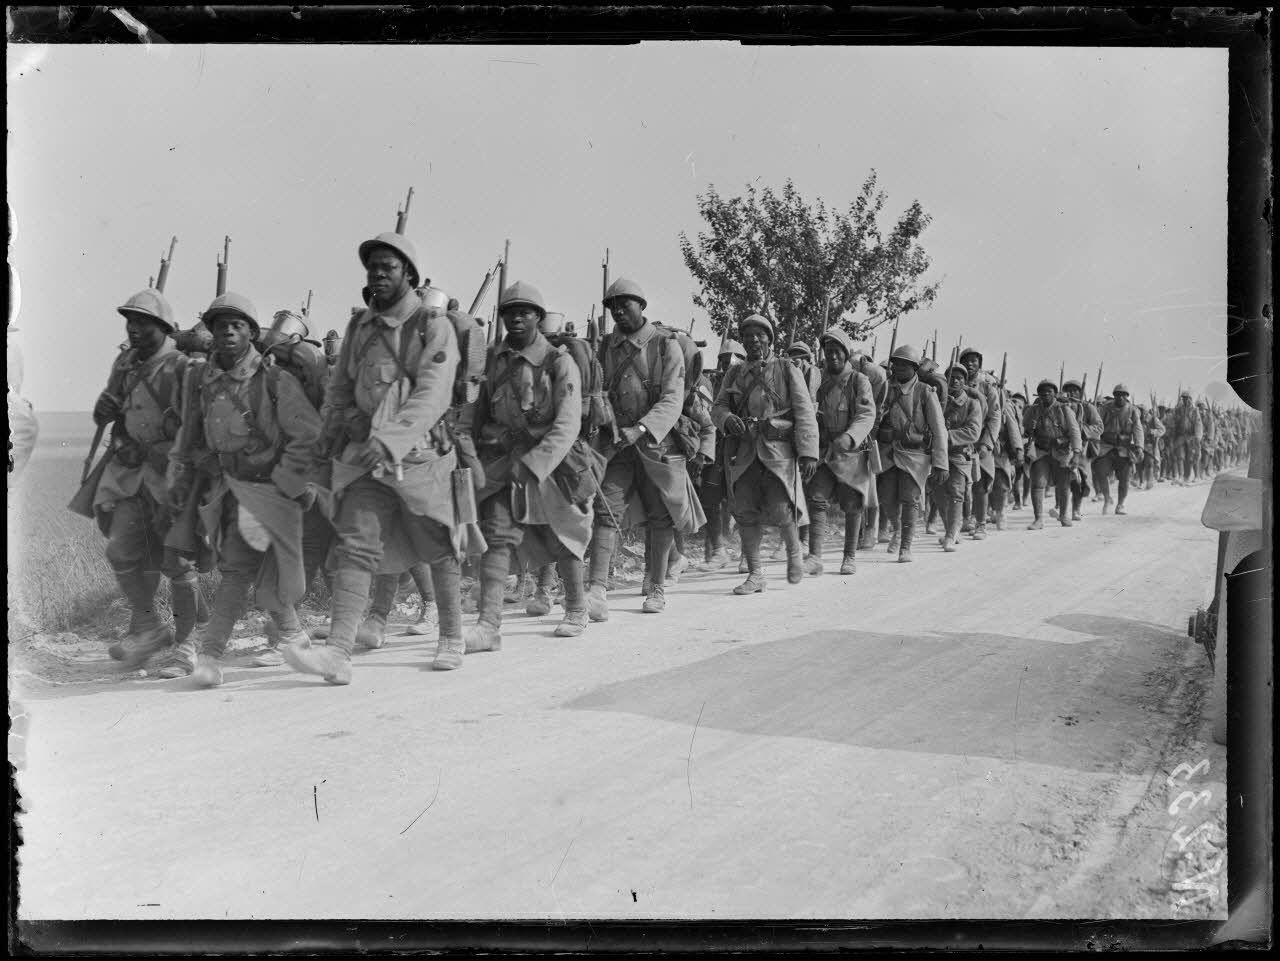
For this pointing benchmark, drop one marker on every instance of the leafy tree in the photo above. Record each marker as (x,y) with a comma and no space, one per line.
(776,254)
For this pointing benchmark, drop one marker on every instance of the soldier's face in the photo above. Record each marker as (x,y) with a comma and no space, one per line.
(1047,394)
(145,333)
(901,370)
(521,322)
(757,341)
(232,336)
(627,314)
(727,361)
(1120,399)
(1073,393)
(957,381)
(971,363)
(834,357)
(387,276)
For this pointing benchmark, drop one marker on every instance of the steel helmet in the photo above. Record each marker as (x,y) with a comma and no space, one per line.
(553,323)
(733,349)
(236,304)
(622,287)
(287,323)
(908,353)
(1185,393)
(1072,383)
(840,337)
(149,303)
(1018,395)
(400,244)
(523,293)
(800,349)
(928,365)
(958,369)
(756,320)
(1119,389)
(967,351)
(433,298)
(1046,383)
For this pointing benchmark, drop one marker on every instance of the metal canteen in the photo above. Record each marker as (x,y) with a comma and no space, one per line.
(433,298)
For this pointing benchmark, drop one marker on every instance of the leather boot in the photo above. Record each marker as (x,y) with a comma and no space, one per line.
(1064,504)
(980,504)
(817,531)
(152,635)
(661,540)
(152,581)
(907,531)
(486,635)
(446,584)
(540,603)
(951,535)
(575,600)
(795,553)
(932,516)
(882,531)
(332,662)
(603,540)
(1037,509)
(373,629)
(751,537)
(998,497)
(852,532)
(1076,501)
(427,620)
(184,595)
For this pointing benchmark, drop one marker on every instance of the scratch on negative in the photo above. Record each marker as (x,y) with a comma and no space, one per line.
(439,777)
(562,860)
(688,762)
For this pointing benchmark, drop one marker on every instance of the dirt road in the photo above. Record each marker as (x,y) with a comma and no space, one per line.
(995,733)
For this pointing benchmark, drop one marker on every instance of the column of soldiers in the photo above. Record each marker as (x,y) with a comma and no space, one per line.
(364,467)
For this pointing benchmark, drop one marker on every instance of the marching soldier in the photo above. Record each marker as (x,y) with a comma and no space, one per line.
(879,381)
(913,448)
(1152,434)
(1208,439)
(984,459)
(765,409)
(1008,457)
(252,430)
(802,357)
(846,469)
(527,420)
(711,490)
(644,375)
(1053,440)
(1121,443)
(387,397)
(1187,431)
(1089,423)
(963,417)
(1020,479)
(142,401)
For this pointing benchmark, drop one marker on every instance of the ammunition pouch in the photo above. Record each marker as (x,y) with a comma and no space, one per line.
(884,434)
(776,428)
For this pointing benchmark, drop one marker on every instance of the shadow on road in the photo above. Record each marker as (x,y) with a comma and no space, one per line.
(1096,706)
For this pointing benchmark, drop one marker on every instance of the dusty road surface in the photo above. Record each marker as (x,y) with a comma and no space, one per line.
(1010,731)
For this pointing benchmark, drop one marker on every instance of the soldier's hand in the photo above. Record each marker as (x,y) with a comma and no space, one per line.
(939,476)
(629,435)
(696,463)
(842,444)
(106,409)
(808,467)
(520,472)
(371,453)
(733,426)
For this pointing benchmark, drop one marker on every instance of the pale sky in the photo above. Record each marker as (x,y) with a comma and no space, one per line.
(1078,195)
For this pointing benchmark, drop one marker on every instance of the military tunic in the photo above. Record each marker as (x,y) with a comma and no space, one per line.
(256,433)
(644,377)
(774,402)
(963,417)
(846,416)
(530,412)
(393,382)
